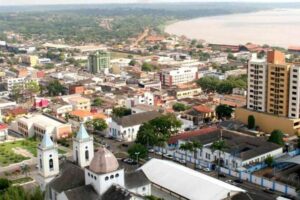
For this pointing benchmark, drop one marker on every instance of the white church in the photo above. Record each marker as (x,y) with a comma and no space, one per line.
(90,176)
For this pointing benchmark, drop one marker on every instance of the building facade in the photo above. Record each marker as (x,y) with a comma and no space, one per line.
(99,62)
(178,76)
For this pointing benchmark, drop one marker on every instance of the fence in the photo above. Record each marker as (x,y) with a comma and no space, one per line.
(264,182)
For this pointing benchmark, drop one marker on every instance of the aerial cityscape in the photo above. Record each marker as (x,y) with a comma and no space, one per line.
(149,100)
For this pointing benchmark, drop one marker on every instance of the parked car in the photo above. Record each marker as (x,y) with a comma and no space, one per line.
(269,190)
(158,153)
(206,169)
(231,182)
(129,161)
(168,156)
(222,175)
(181,161)
(125,145)
(151,150)
(240,181)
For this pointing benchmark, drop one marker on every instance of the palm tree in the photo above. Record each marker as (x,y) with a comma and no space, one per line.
(192,147)
(219,146)
(25,169)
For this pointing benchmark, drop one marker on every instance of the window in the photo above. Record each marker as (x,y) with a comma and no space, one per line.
(106,178)
(87,154)
(144,188)
(111,176)
(41,164)
(117,175)
(51,164)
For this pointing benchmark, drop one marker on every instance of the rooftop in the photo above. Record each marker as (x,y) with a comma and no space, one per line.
(136,119)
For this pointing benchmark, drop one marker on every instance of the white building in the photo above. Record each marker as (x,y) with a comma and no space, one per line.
(146,98)
(294,97)
(235,72)
(93,177)
(178,76)
(127,127)
(3,131)
(257,84)
(38,125)
(217,75)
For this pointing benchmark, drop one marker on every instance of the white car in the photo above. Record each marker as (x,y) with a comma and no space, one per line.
(181,161)
(168,156)
(158,153)
(206,169)
(151,150)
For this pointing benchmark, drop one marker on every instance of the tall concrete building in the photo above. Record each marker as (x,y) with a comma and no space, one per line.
(278,84)
(181,75)
(99,62)
(294,93)
(257,84)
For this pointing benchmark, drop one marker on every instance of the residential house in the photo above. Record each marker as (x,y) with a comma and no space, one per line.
(199,114)
(127,127)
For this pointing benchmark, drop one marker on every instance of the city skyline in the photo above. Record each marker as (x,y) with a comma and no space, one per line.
(53,2)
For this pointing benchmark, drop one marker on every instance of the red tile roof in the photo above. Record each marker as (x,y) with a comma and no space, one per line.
(3,126)
(189,134)
(202,109)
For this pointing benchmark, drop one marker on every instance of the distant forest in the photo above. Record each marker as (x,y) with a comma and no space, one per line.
(110,22)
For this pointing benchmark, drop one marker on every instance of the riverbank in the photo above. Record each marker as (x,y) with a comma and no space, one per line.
(278,27)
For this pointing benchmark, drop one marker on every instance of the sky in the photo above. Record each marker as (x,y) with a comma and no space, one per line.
(39,2)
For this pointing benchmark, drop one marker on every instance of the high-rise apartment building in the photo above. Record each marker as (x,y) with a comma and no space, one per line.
(294,93)
(257,84)
(99,62)
(278,84)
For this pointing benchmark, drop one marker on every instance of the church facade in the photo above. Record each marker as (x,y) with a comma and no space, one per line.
(92,176)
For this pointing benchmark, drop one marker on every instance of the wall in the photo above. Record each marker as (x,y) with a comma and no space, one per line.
(263,182)
(267,122)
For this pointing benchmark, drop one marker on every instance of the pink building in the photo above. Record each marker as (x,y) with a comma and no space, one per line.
(40,103)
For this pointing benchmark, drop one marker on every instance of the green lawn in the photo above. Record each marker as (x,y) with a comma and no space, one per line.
(7,155)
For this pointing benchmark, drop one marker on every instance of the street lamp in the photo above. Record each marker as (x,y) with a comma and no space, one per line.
(137,157)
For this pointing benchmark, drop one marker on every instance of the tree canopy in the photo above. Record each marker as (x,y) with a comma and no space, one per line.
(251,122)
(158,130)
(55,88)
(276,137)
(121,111)
(180,107)
(97,124)
(212,84)
(138,150)
(224,111)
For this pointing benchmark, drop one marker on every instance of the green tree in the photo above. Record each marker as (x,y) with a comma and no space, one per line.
(25,169)
(219,146)
(55,88)
(132,63)
(224,111)
(276,137)
(269,161)
(193,147)
(230,56)
(251,122)
(153,198)
(179,107)
(121,111)
(16,92)
(32,88)
(147,135)
(4,184)
(147,67)
(99,124)
(208,84)
(137,151)
(97,102)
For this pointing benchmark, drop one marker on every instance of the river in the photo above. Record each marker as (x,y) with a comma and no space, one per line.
(279,27)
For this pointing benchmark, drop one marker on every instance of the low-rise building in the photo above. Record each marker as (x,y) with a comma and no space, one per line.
(171,77)
(37,125)
(78,102)
(199,114)
(3,131)
(127,127)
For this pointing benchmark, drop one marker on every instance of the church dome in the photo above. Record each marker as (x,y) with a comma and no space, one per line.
(104,162)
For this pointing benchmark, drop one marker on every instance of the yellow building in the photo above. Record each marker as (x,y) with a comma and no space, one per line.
(278,84)
(187,92)
(268,122)
(30,60)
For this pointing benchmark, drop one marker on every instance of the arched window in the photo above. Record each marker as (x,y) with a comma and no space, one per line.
(117,175)
(106,178)
(111,176)
(51,167)
(87,154)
